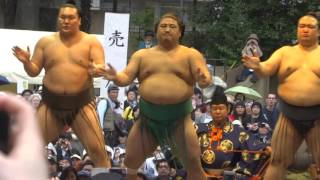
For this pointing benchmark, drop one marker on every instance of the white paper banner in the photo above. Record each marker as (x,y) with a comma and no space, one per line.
(116,34)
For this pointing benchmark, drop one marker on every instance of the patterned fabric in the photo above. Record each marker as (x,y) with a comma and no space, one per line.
(220,154)
(251,163)
(234,151)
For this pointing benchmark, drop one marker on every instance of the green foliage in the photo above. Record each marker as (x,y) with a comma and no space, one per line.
(143,19)
(222,26)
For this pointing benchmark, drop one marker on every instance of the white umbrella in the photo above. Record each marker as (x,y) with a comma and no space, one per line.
(248,92)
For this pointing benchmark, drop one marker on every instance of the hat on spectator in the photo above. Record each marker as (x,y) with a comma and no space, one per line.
(112,87)
(52,159)
(84,152)
(219,97)
(253,37)
(66,136)
(122,151)
(76,156)
(240,103)
(110,150)
(148,33)
(265,125)
(237,122)
(256,104)
(52,148)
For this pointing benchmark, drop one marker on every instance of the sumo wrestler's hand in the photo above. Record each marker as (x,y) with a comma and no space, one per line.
(21,55)
(252,62)
(110,73)
(203,78)
(96,70)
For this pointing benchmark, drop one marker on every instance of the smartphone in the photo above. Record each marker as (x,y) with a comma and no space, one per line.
(4,132)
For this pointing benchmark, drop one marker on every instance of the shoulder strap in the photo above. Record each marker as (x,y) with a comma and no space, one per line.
(107,107)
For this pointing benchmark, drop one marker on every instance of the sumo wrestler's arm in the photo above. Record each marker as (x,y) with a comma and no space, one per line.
(199,69)
(34,66)
(125,77)
(97,58)
(266,68)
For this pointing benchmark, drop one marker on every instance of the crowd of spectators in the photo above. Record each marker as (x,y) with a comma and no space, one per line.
(67,158)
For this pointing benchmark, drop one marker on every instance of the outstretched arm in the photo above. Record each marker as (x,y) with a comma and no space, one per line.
(97,62)
(34,66)
(127,76)
(267,68)
(199,69)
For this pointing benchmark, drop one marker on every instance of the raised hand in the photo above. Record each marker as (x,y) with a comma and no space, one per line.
(201,77)
(21,55)
(96,70)
(111,73)
(251,62)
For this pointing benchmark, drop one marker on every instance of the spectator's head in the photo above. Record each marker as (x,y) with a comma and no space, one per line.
(256,109)
(76,161)
(252,45)
(253,41)
(271,100)
(64,140)
(134,87)
(35,100)
(131,95)
(264,128)
(69,173)
(219,106)
(239,109)
(88,166)
(123,135)
(148,35)
(239,97)
(113,92)
(26,94)
(248,107)
(163,168)
(83,175)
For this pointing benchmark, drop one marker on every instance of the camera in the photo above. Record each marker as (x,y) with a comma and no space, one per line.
(4,131)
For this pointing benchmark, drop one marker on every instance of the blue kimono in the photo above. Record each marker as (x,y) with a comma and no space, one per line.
(220,157)
(251,163)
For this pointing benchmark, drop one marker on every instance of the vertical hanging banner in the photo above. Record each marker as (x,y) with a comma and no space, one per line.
(116,34)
